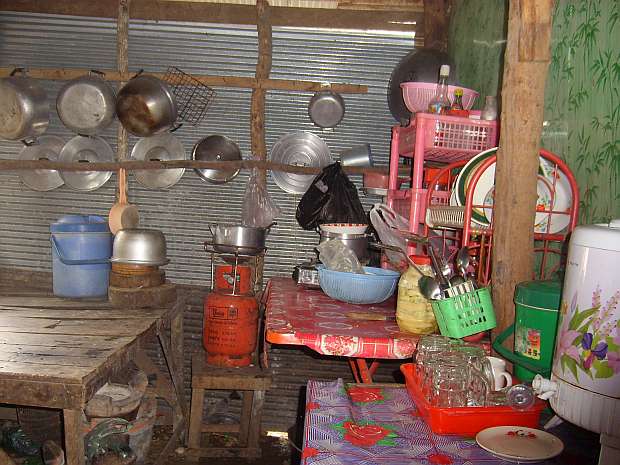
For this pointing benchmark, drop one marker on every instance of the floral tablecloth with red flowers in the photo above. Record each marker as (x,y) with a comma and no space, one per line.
(376,425)
(300,316)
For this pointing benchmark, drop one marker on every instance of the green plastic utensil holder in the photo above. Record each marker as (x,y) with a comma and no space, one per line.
(465,314)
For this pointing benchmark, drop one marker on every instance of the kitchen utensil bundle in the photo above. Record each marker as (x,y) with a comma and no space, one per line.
(446,283)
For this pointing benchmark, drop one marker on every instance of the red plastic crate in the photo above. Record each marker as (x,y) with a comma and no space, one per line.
(467,421)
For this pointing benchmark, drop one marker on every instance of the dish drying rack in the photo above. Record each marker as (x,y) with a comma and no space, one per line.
(454,225)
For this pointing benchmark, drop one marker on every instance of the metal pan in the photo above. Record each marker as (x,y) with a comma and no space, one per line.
(161,147)
(45,148)
(216,148)
(299,148)
(326,109)
(24,111)
(86,150)
(86,104)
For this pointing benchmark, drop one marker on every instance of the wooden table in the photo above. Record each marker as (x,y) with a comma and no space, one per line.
(57,353)
(299,316)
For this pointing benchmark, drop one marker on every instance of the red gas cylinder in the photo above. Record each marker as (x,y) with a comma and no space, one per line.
(230,326)
(225,279)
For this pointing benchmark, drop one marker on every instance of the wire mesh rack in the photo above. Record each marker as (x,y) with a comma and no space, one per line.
(193,98)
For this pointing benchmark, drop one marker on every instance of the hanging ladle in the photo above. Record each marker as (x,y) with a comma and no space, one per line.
(123,215)
(429,287)
(462,261)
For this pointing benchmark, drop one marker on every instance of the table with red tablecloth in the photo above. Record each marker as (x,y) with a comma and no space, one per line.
(356,424)
(300,316)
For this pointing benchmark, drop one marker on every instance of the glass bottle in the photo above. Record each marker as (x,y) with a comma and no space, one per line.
(440,103)
(456,109)
(414,313)
(489,112)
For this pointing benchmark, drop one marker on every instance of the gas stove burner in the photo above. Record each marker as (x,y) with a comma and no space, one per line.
(233,251)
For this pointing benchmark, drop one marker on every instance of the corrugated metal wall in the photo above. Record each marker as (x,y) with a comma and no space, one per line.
(184,211)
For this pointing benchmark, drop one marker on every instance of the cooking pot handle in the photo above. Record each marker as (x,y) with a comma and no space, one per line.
(66,261)
(137,74)
(178,126)
(100,74)
(273,223)
(212,228)
(18,70)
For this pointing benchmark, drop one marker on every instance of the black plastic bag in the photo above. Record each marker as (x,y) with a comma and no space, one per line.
(331,198)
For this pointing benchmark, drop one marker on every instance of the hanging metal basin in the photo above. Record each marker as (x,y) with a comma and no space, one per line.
(24,111)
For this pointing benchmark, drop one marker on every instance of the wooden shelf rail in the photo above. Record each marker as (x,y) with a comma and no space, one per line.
(132,165)
(66,74)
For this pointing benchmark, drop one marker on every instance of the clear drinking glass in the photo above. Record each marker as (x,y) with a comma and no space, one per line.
(450,386)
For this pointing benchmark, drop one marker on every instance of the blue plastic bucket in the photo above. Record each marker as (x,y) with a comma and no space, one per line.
(81,251)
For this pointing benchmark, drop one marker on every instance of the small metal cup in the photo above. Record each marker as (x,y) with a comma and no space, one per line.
(360,155)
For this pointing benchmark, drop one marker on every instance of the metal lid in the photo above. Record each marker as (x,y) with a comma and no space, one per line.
(80,223)
(216,148)
(326,109)
(45,148)
(86,149)
(542,294)
(299,148)
(598,236)
(159,148)
(86,105)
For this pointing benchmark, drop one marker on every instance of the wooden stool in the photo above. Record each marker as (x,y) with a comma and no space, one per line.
(253,382)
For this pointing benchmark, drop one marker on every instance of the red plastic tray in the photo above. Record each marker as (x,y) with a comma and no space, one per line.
(467,421)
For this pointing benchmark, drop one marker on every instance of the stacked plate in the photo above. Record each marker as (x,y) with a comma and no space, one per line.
(553,187)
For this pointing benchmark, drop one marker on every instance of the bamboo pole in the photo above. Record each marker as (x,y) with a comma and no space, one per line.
(130,165)
(525,72)
(66,74)
(122,62)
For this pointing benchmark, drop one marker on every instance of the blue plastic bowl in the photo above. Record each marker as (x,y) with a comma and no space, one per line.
(373,287)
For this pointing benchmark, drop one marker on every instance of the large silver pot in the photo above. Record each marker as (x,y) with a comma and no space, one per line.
(139,247)
(86,104)
(358,243)
(146,106)
(230,238)
(24,111)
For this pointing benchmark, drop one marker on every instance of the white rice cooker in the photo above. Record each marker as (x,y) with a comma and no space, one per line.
(585,381)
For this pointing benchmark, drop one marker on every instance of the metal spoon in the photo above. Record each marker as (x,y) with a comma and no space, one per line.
(443,282)
(429,287)
(462,261)
(456,281)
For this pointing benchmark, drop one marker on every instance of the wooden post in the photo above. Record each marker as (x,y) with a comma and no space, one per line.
(263,68)
(525,72)
(122,62)
(436,24)
(74,437)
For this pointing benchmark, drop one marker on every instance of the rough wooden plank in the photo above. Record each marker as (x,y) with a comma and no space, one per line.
(385,16)
(436,18)
(517,165)
(131,327)
(55,351)
(58,360)
(74,437)
(258,402)
(79,314)
(37,372)
(39,301)
(195,419)
(77,341)
(40,393)
(213,81)
(128,298)
(535,29)
(246,419)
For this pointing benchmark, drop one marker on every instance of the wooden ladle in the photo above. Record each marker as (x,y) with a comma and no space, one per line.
(123,215)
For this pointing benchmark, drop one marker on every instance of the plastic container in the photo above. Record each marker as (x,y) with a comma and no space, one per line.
(537,305)
(81,250)
(465,314)
(373,287)
(417,95)
(467,421)
(414,313)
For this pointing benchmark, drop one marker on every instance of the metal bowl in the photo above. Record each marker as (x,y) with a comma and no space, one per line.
(139,247)
(326,109)
(358,243)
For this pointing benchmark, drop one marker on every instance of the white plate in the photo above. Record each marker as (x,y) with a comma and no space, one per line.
(519,443)
(563,200)
(344,228)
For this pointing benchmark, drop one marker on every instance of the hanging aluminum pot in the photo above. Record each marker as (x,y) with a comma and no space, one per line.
(146,106)
(24,111)
(326,109)
(86,104)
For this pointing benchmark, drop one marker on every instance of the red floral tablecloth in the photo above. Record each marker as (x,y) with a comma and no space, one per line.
(300,316)
(352,424)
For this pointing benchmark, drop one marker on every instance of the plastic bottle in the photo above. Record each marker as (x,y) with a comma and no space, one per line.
(457,105)
(440,103)
(414,313)
(489,112)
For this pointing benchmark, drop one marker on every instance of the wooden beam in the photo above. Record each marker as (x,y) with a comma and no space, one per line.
(263,68)
(131,165)
(517,159)
(386,18)
(66,74)
(436,18)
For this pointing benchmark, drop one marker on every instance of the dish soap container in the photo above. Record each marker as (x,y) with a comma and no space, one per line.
(414,313)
